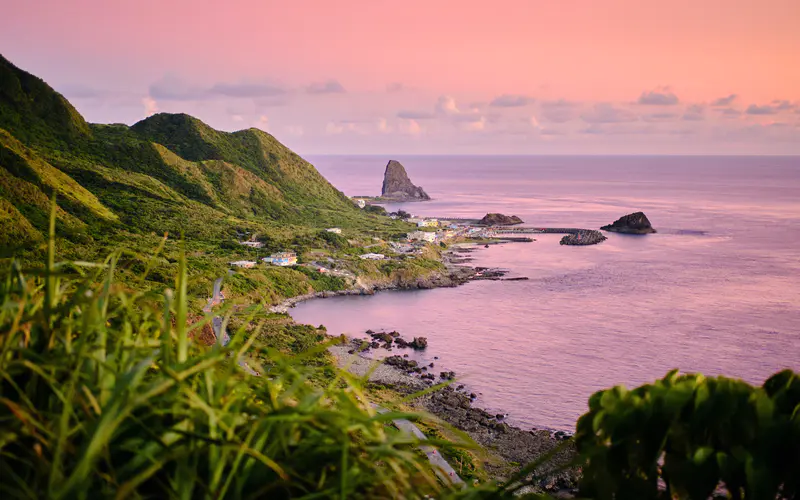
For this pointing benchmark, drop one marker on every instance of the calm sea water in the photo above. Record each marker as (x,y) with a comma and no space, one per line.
(715,291)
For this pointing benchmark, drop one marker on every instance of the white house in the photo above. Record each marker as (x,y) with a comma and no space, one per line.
(334,230)
(247,264)
(252,244)
(372,256)
(360,202)
(422,236)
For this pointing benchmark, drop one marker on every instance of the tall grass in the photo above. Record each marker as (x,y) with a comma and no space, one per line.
(104,393)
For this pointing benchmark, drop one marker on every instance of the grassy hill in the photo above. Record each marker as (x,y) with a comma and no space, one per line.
(126,186)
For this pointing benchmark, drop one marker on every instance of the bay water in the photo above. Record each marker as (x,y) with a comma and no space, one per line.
(715,290)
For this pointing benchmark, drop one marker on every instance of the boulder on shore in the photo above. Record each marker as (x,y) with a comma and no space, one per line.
(500,220)
(635,223)
(398,187)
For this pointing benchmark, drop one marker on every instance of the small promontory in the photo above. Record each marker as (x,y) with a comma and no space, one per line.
(635,223)
(500,220)
(398,187)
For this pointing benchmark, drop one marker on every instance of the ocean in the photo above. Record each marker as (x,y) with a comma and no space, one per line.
(716,290)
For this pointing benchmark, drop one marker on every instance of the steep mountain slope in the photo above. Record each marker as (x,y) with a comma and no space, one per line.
(167,173)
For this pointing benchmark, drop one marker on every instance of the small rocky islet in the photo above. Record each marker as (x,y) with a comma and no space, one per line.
(635,223)
(496,219)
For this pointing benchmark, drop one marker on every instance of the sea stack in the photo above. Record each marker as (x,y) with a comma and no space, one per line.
(398,187)
(635,223)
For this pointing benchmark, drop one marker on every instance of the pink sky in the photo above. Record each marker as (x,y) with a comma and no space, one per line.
(513,76)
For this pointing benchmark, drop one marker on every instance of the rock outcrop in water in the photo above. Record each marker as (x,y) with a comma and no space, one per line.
(635,223)
(500,220)
(398,187)
(583,237)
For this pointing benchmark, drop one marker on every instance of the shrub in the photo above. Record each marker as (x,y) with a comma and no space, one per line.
(685,436)
(104,393)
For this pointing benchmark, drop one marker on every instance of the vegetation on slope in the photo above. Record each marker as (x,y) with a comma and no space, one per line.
(121,186)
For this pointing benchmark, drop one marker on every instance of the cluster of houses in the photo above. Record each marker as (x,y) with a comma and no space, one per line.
(444,231)
(277,259)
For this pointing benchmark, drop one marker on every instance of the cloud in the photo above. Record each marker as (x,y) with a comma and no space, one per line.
(607,113)
(395,87)
(333,128)
(415,115)
(237,118)
(534,122)
(473,125)
(410,127)
(694,113)
(623,129)
(262,123)
(150,106)
(559,111)
(328,87)
(659,117)
(383,125)
(446,105)
(246,90)
(510,101)
(172,88)
(724,101)
(730,112)
(783,105)
(755,109)
(358,126)
(662,97)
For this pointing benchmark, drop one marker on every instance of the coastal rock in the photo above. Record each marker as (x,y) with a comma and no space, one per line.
(583,237)
(419,343)
(500,220)
(398,187)
(635,223)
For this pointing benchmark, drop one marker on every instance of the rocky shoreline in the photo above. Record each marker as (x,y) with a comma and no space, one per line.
(513,446)
(456,274)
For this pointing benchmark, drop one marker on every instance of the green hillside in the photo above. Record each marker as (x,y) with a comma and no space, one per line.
(167,173)
(122,186)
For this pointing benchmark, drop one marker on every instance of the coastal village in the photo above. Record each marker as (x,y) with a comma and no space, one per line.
(429,230)
(397,187)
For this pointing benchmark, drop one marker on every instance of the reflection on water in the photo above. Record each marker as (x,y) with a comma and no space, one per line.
(714,291)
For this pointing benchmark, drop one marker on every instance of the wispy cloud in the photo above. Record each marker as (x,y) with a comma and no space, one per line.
(246,90)
(724,101)
(660,97)
(559,111)
(755,109)
(608,113)
(415,115)
(510,101)
(327,87)
(694,113)
(150,106)
(775,107)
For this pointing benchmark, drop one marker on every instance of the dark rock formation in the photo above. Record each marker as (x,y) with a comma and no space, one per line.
(635,223)
(397,186)
(500,220)
(583,237)
(419,343)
